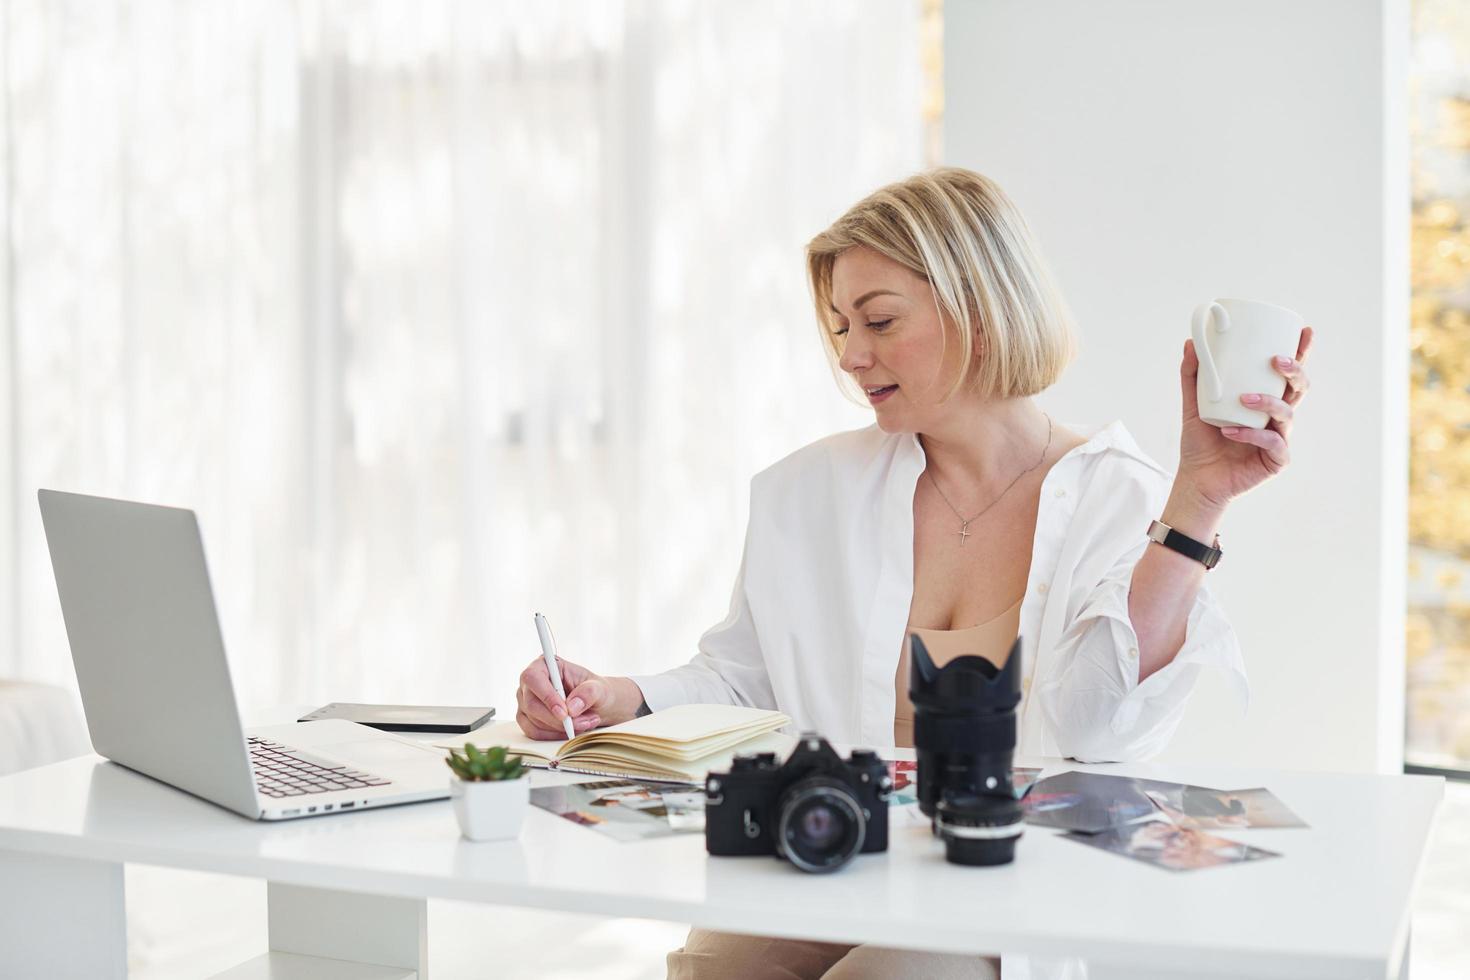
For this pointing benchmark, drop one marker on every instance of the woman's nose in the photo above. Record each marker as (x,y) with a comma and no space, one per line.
(856,355)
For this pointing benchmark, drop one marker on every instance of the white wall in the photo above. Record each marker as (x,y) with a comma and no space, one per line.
(1167,152)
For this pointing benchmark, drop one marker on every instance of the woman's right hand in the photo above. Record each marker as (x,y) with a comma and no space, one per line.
(592,700)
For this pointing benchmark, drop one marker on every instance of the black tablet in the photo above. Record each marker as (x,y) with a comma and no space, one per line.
(405,717)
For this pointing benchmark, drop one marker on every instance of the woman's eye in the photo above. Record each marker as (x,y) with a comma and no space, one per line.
(839,333)
(880,324)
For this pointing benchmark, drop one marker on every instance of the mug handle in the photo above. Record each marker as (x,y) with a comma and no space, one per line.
(1201,319)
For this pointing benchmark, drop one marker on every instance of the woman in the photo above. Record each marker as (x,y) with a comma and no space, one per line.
(966,515)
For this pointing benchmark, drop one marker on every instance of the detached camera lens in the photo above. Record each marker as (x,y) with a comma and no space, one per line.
(979,830)
(820,825)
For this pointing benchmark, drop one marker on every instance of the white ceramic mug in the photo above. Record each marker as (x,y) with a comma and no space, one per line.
(1235,340)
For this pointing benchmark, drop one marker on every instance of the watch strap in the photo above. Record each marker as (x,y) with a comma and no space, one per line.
(1175,541)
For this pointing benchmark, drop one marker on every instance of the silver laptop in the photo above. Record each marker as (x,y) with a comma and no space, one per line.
(156,687)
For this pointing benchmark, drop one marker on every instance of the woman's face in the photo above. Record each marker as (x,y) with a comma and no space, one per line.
(892,339)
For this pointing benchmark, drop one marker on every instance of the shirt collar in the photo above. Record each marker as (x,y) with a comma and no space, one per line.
(1110,436)
(1100,438)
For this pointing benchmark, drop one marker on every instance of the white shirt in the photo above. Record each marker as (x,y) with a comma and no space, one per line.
(821,604)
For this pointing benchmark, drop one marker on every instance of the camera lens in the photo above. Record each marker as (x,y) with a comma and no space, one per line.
(979,830)
(964,722)
(820,824)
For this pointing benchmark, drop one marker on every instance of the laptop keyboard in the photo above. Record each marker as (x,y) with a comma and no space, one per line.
(281,771)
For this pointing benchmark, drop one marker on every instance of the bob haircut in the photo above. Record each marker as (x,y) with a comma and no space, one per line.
(958,231)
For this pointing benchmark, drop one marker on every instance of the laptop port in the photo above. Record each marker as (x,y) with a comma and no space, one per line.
(347,806)
(290,813)
(311,809)
(326,807)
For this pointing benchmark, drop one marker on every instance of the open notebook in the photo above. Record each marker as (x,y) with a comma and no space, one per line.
(678,744)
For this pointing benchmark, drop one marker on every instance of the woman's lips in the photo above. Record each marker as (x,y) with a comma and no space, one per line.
(876,396)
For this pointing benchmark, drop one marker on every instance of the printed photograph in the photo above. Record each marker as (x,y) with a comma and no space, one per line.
(1087,802)
(685,811)
(1165,845)
(1216,809)
(905,776)
(624,809)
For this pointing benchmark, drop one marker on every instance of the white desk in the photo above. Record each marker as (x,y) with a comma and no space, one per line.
(353,887)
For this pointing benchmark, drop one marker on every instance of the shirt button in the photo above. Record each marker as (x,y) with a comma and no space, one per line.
(1133,653)
(1042,587)
(1061,492)
(1026,686)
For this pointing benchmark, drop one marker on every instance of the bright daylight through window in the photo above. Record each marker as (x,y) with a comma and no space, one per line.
(1438,714)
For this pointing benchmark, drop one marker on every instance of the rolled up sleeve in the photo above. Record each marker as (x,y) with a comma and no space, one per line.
(728,669)
(1094,704)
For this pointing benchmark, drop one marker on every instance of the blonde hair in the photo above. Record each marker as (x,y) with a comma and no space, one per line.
(958,231)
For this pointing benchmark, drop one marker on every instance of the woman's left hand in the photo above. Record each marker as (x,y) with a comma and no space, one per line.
(1220,464)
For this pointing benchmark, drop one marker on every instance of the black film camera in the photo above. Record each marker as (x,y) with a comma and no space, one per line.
(816,809)
(965,737)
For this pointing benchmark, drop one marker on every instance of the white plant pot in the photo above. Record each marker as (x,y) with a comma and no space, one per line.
(490,810)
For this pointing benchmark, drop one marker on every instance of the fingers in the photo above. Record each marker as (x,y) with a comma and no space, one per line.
(586,695)
(543,718)
(553,731)
(540,709)
(1279,410)
(1271,442)
(1305,344)
(572,675)
(536,711)
(1296,378)
(537,682)
(540,718)
(537,730)
(1188,381)
(1293,370)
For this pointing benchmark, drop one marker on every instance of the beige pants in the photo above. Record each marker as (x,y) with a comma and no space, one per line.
(708,955)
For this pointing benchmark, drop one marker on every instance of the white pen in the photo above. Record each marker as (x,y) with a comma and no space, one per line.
(548,652)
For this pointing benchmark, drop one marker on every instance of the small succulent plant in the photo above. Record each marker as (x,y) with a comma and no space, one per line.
(474,766)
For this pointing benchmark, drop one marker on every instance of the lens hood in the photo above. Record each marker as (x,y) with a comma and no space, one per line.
(970,683)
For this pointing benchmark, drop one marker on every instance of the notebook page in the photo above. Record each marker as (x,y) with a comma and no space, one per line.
(606,740)
(627,762)
(691,722)
(685,731)
(509,734)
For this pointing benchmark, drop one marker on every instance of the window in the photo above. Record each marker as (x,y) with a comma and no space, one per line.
(1438,641)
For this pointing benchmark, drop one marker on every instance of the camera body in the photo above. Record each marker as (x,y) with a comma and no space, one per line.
(816,809)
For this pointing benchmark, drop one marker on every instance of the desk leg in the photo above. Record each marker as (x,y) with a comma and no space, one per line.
(61,917)
(375,930)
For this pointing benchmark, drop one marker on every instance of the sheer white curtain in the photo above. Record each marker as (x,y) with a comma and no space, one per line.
(438,313)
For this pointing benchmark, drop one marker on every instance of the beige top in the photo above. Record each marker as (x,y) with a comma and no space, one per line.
(992,640)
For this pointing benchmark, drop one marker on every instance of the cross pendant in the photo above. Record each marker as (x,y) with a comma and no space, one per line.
(964,531)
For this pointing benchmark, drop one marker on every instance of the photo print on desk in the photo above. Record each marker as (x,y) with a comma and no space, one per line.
(1165,845)
(1216,809)
(1087,802)
(624,809)
(905,776)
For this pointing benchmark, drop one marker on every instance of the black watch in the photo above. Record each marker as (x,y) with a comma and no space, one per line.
(1168,537)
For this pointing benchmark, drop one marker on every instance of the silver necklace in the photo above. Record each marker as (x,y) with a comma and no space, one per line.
(964,531)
